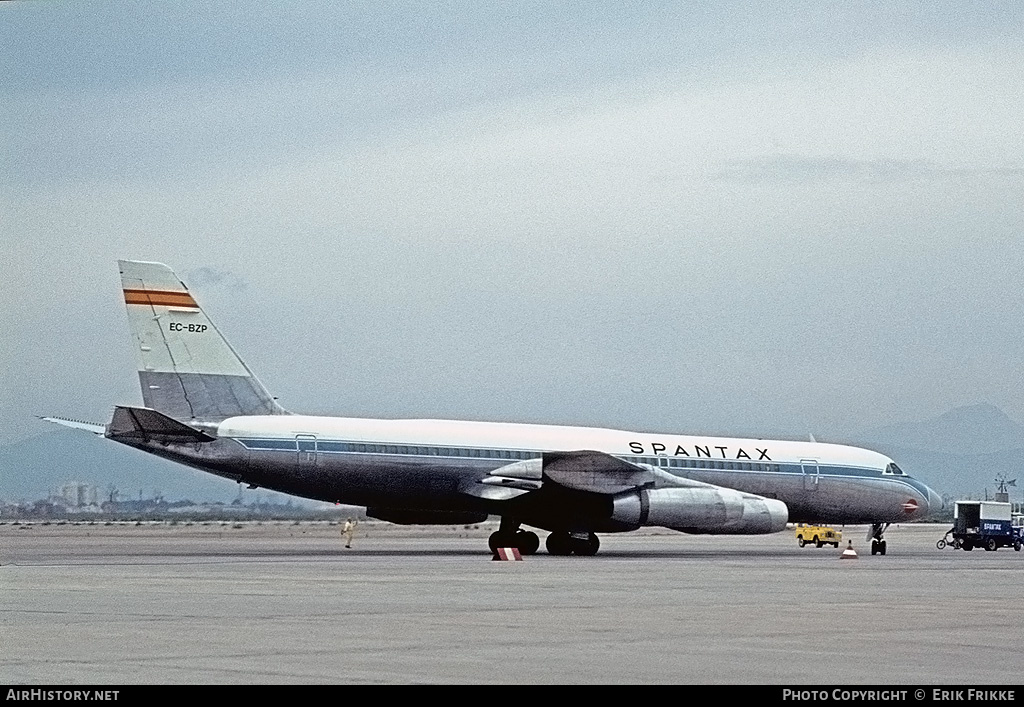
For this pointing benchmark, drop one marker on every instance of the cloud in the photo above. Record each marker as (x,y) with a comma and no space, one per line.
(799,168)
(214,277)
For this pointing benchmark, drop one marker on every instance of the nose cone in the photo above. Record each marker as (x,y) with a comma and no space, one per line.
(921,502)
(927,502)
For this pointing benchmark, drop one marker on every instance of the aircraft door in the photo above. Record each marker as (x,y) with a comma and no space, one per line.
(307,451)
(809,467)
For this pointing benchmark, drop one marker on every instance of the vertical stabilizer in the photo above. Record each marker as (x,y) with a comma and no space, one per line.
(186,368)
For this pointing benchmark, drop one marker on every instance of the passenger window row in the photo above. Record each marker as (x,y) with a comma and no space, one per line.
(325,446)
(510,454)
(471,453)
(687,463)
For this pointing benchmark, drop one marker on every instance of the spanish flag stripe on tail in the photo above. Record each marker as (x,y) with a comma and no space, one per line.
(160,298)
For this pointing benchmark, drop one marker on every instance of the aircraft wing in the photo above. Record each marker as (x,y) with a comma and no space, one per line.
(596,472)
(583,470)
(600,472)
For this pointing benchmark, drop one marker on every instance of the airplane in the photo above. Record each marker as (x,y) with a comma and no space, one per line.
(204,408)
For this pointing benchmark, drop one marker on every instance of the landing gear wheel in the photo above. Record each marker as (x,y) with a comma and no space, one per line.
(586,547)
(559,544)
(527,542)
(499,539)
(877,539)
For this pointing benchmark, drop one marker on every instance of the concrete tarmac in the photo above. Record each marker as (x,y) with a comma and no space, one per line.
(280,603)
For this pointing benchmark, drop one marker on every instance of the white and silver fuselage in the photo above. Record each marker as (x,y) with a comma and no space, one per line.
(431,463)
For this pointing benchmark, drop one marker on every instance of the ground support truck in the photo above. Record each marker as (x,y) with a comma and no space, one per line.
(984,524)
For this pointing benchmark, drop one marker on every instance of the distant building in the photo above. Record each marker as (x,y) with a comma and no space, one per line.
(76,494)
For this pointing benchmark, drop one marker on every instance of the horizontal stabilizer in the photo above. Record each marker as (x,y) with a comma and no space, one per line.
(93,427)
(143,423)
(597,472)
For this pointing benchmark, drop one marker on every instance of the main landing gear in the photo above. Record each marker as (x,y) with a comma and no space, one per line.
(508,534)
(875,536)
(566,543)
(560,542)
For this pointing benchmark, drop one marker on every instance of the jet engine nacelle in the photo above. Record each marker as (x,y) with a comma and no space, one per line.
(707,510)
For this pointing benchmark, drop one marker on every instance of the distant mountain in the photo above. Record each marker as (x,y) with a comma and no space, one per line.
(33,468)
(959,453)
(972,429)
(960,476)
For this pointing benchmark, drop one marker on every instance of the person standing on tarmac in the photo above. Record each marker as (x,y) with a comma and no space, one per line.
(348,531)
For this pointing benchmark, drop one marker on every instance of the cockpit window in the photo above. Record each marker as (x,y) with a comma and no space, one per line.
(895,470)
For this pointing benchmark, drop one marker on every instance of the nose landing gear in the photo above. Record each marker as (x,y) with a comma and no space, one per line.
(875,536)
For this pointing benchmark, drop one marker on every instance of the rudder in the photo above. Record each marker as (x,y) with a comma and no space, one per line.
(187,369)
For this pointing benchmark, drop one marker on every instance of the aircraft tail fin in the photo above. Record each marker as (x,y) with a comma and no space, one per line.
(186,367)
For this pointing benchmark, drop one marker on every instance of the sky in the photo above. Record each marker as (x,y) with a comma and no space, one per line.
(697,217)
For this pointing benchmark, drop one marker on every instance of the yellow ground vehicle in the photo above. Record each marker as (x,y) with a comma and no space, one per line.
(817,534)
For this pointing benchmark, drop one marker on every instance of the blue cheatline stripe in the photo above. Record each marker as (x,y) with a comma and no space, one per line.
(338,447)
(278,444)
(675,463)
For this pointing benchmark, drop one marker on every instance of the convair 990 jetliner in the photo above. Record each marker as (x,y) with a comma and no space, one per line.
(205,408)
